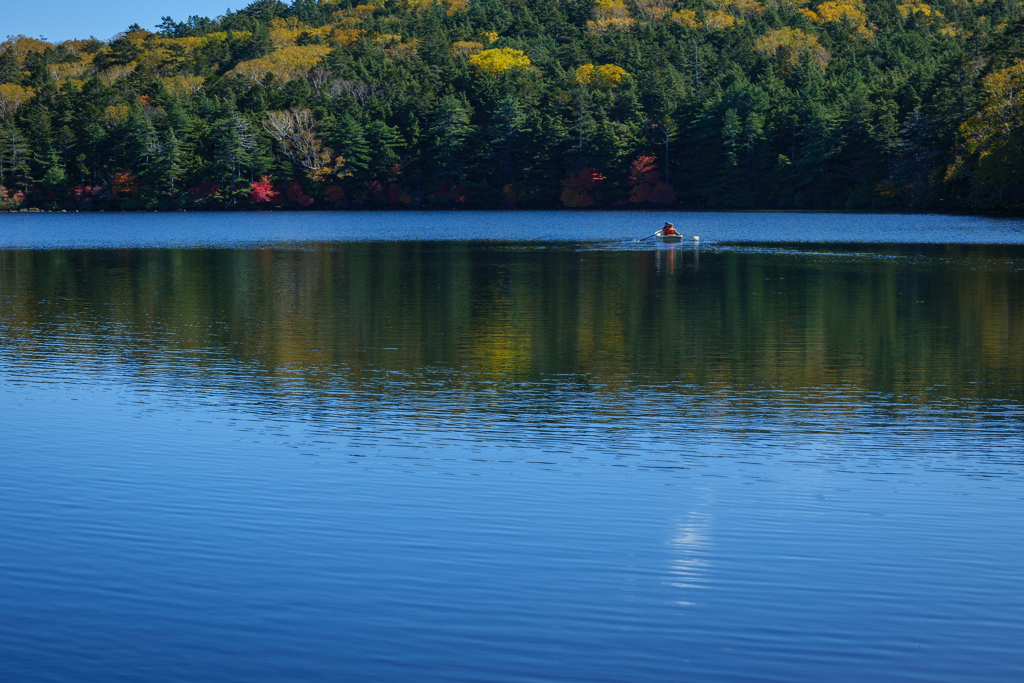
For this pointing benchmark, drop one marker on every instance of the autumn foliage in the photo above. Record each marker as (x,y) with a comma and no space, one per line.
(449,103)
(12,97)
(577,192)
(645,184)
(262,191)
(124,185)
(995,139)
(791,43)
(497,61)
(605,76)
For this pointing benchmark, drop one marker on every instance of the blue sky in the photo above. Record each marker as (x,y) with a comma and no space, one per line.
(58,20)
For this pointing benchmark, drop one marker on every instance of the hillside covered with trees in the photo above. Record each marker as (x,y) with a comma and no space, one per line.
(849,104)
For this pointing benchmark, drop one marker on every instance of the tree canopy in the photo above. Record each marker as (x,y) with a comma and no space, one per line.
(526,103)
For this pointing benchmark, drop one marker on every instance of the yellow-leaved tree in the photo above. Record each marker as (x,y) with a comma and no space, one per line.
(286,63)
(791,43)
(610,15)
(499,60)
(838,11)
(12,96)
(604,76)
(919,8)
(719,20)
(20,46)
(995,138)
(687,18)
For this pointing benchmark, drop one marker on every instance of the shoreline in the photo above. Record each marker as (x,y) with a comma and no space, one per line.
(623,210)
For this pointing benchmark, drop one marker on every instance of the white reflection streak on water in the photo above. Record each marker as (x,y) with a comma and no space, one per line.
(692,542)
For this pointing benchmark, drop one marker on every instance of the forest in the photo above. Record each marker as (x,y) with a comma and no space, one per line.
(691,104)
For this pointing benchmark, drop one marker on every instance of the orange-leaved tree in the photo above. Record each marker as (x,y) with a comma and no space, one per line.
(124,185)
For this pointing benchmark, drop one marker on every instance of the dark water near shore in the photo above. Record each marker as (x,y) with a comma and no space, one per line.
(300,448)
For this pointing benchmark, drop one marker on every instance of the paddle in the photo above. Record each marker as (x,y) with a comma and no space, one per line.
(695,238)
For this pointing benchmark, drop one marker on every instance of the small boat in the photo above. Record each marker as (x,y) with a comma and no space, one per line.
(668,238)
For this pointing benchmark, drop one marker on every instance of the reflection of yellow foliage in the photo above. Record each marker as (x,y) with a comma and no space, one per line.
(610,15)
(792,42)
(184,85)
(498,344)
(498,61)
(466,48)
(604,76)
(687,18)
(720,20)
(287,63)
(12,97)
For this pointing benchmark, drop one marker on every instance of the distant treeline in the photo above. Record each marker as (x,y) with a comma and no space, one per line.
(854,104)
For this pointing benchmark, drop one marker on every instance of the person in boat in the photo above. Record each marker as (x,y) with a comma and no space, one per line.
(668,230)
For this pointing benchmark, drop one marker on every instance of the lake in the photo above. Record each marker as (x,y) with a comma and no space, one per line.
(524,446)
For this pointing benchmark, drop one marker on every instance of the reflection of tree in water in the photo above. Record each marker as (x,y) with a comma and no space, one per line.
(412,319)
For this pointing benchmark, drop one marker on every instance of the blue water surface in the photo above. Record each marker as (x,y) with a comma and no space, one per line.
(247,229)
(264,447)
